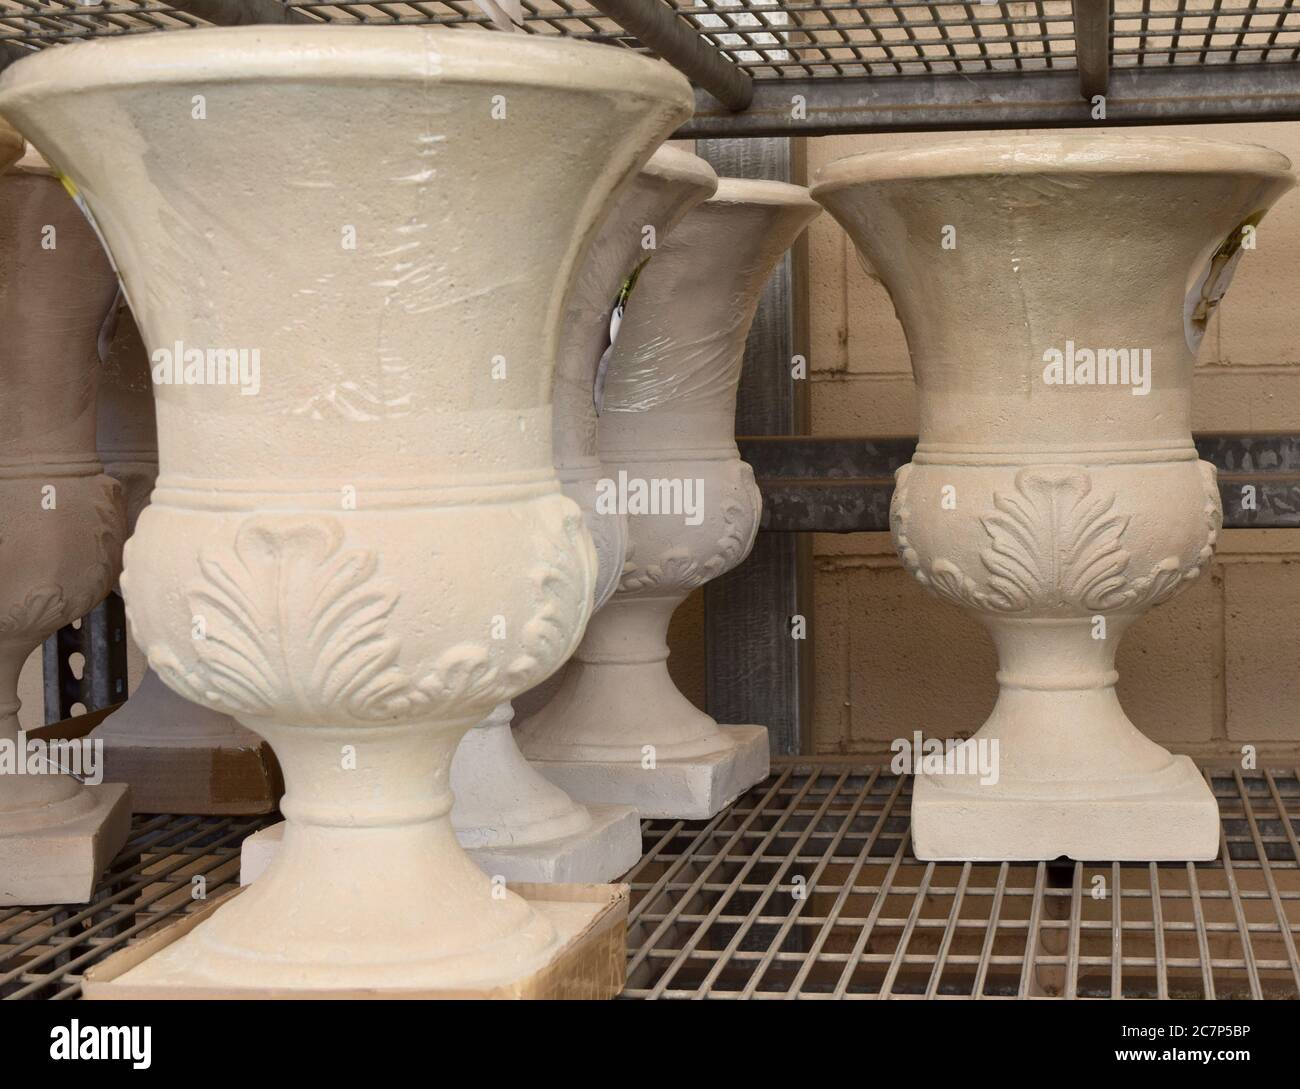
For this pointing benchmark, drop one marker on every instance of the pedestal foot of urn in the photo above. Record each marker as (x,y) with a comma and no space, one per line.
(258,850)
(517,825)
(60,862)
(955,818)
(590,961)
(690,788)
(179,757)
(607,848)
(380,901)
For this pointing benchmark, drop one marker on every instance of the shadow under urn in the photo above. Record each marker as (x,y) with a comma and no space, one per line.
(346,543)
(1054,291)
(617,728)
(61,523)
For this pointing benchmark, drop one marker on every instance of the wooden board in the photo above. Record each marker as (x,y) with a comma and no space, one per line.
(593,965)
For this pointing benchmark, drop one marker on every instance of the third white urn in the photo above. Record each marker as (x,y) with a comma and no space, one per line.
(511,818)
(1054,291)
(618,729)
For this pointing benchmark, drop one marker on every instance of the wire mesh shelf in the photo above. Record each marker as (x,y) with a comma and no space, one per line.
(169,865)
(774,39)
(806,888)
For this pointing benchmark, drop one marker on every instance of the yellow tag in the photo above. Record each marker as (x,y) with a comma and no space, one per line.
(75,194)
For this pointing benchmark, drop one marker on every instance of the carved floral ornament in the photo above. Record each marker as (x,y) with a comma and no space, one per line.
(296,628)
(678,570)
(1055,544)
(50,605)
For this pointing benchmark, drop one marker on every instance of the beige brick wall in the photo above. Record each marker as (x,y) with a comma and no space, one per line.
(1217,666)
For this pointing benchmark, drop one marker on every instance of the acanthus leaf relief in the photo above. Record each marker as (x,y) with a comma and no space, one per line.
(42,610)
(566,587)
(1054,544)
(297,627)
(50,605)
(110,514)
(677,569)
(285,611)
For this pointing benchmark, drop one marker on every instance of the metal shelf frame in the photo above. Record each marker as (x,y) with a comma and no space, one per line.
(806,888)
(812,67)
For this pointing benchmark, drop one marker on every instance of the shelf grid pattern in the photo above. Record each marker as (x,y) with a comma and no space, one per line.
(166,868)
(806,888)
(800,39)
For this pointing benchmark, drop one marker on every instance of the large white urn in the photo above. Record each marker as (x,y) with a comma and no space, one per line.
(358,547)
(514,822)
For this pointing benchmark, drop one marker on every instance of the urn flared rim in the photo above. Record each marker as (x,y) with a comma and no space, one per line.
(757,191)
(1068,153)
(680,167)
(319,54)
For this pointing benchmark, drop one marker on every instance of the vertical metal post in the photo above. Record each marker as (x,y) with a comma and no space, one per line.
(1092,45)
(101,640)
(756,671)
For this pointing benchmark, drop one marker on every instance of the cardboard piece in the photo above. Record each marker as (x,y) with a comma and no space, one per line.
(180,778)
(201,778)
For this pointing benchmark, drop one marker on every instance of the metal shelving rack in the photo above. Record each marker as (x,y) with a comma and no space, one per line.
(806,887)
(807,67)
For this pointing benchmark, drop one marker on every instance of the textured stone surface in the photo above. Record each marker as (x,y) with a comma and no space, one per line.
(693,788)
(62,519)
(669,415)
(606,848)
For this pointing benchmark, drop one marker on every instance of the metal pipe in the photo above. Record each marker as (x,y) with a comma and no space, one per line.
(657,26)
(1147,95)
(1092,45)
